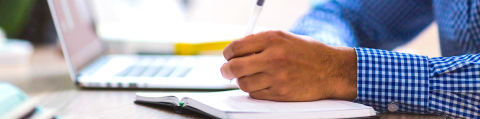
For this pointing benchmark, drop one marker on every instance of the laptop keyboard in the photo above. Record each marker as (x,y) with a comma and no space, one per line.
(159,67)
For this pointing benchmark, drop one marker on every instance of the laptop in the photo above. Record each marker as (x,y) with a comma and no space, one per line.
(90,66)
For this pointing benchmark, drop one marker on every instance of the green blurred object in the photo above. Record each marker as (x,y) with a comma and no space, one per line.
(13,15)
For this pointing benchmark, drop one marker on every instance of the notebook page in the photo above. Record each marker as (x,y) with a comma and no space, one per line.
(170,97)
(179,95)
(238,101)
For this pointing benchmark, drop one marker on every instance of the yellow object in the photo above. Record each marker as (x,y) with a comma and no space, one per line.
(193,49)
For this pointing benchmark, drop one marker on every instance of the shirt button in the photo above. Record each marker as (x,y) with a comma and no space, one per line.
(392,107)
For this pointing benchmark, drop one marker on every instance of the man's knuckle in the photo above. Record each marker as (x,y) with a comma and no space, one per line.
(271,37)
(277,32)
(225,54)
(281,32)
(283,92)
(235,66)
(234,47)
(280,58)
(281,55)
(273,33)
(283,76)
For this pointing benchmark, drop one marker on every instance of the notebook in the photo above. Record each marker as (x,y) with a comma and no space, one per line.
(237,104)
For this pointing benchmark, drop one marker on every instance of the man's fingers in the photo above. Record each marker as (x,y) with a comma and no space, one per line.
(265,94)
(275,93)
(245,46)
(254,82)
(242,66)
(251,44)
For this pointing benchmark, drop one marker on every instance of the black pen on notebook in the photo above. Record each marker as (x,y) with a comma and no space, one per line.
(257,8)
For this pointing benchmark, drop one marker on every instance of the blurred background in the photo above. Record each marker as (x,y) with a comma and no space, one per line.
(31,19)
(32,43)
(28,26)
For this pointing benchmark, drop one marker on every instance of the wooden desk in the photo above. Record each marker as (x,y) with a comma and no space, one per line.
(47,79)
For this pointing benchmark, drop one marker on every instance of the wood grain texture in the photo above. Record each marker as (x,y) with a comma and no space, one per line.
(47,79)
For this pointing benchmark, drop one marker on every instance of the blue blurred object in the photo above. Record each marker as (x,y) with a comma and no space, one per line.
(10,97)
(314,3)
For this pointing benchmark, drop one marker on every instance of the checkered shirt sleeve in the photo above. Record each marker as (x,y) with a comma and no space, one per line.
(448,86)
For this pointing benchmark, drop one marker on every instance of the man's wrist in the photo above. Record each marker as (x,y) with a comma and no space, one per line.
(346,87)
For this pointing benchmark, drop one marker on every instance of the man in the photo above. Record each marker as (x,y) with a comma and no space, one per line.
(282,66)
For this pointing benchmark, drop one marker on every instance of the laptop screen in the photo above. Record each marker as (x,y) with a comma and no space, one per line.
(75,26)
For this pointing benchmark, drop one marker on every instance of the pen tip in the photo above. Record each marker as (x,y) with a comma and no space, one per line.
(260,2)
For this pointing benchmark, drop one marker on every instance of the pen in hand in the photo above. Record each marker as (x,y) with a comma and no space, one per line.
(257,8)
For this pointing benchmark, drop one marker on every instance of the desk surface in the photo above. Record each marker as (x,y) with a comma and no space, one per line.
(47,79)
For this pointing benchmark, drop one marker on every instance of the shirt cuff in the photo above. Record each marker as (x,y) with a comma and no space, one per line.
(398,81)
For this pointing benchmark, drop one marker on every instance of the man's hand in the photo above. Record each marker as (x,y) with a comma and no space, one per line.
(282,66)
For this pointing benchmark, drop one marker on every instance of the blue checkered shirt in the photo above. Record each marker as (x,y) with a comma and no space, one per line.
(406,83)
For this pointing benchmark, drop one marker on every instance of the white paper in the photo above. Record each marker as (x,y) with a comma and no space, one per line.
(238,101)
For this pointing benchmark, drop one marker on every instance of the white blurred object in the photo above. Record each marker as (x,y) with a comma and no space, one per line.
(15,53)
(160,38)
(2,37)
(139,10)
